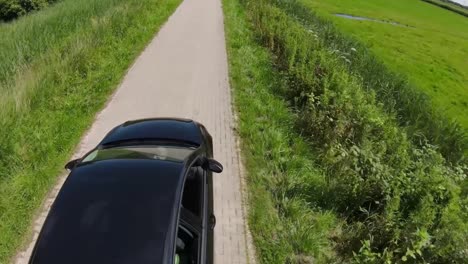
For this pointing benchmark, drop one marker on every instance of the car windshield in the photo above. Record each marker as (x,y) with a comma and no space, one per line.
(170,153)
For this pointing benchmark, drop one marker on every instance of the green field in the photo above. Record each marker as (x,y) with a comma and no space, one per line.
(431,49)
(58,67)
(336,171)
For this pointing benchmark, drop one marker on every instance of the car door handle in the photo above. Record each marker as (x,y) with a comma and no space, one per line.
(212,221)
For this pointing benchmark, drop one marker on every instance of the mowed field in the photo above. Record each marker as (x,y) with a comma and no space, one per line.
(430,47)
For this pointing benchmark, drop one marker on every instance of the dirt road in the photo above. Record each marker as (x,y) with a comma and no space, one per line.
(183,73)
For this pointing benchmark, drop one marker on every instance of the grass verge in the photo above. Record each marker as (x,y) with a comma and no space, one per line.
(57,69)
(285,229)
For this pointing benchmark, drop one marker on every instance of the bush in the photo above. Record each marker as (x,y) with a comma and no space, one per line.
(400,200)
(11,9)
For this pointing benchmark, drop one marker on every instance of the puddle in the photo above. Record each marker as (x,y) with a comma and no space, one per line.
(369,19)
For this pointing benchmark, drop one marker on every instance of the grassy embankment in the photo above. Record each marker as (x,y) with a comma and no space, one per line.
(431,52)
(449,6)
(333,174)
(57,69)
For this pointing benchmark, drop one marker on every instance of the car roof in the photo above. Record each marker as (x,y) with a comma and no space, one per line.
(170,129)
(114,211)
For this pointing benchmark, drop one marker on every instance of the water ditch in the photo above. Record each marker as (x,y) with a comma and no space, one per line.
(369,19)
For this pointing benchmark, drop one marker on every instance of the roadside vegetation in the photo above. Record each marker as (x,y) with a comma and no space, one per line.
(429,47)
(338,170)
(58,66)
(11,9)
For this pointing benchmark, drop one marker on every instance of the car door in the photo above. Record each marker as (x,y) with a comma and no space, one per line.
(210,216)
(209,219)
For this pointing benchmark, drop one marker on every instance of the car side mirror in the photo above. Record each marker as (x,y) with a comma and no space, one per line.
(71,164)
(213,165)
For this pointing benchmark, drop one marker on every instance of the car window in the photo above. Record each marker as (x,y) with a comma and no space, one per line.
(170,153)
(187,246)
(192,197)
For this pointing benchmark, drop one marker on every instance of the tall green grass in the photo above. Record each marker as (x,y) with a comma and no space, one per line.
(27,43)
(57,69)
(413,109)
(395,200)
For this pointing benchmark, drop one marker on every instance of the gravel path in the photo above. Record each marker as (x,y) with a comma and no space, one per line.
(183,73)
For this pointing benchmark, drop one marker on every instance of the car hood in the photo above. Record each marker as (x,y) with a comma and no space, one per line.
(113,211)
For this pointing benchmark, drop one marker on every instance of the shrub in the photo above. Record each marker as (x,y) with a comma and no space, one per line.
(11,9)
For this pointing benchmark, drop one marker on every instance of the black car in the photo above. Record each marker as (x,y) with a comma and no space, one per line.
(143,195)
